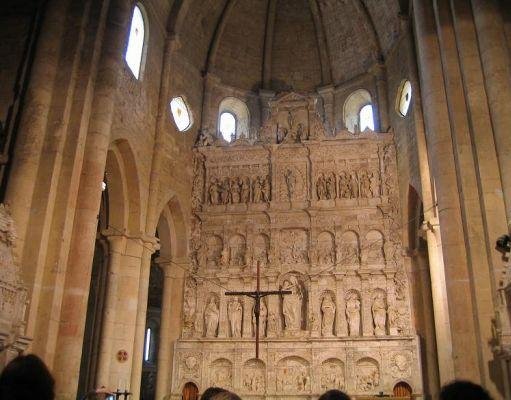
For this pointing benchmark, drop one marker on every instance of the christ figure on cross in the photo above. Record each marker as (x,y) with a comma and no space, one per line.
(257,295)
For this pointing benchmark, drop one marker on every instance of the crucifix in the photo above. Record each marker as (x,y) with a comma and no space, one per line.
(257,296)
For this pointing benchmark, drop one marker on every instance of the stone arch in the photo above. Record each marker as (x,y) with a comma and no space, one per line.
(325,248)
(261,249)
(374,241)
(350,249)
(172,230)
(367,374)
(215,246)
(238,249)
(352,106)
(239,109)
(124,188)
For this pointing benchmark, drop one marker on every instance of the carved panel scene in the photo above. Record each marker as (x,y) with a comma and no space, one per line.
(318,216)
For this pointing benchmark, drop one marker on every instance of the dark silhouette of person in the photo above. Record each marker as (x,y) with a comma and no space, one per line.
(334,395)
(463,390)
(26,378)
(210,392)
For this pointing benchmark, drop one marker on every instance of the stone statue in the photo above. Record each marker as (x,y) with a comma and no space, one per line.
(344,186)
(353,185)
(225,257)
(290,180)
(235,188)
(292,304)
(353,314)
(211,318)
(379,311)
(375,184)
(226,191)
(235,312)
(245,190)
(263,313)
(272,325)
(330,187)
(365,186)
(321,187)
(328,316)
(258,190)
(214,192)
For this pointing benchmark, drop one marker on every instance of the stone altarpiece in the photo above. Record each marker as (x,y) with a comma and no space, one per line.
(319,213)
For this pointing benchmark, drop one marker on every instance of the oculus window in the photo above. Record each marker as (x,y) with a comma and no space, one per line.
(136,42)
(404,98)
(228,126)
(366,118)
(180,113)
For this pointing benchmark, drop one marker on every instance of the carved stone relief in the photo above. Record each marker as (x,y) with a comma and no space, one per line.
(293,375)
(367,375)
(254,377)
(221,373)
(320,217)
(332,375)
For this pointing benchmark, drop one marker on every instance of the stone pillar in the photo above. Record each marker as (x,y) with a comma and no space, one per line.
(497,73)
(247,309)
(76,288)
(367,318)
(274,304)
(265,97)
(150,245)
(117,246)
(327,94)
(170,323)
(341,325)
(461,330)
(32,128)
(380,76)
(314,309)
(223,319)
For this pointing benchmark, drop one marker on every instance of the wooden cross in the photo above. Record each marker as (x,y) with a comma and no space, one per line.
(257,296)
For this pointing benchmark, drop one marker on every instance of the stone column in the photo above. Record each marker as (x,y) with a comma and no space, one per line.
(76,288)
(264,98)
(314,309)
(380,76)
(117,246)
(170,323)
(327,94)
(461,330)
(497,73)
(341,325)
(367,318)
(150,245)
(247,309)
(223,319)
(30,139)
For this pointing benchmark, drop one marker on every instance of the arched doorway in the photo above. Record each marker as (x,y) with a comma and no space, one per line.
(402,389)
(190,391)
